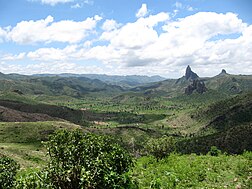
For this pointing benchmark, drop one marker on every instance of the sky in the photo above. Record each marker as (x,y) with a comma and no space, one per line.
(126,37)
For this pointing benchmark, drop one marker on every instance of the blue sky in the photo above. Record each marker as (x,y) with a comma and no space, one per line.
(144,37)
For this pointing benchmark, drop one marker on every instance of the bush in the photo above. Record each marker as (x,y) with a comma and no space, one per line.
(214,151)
(160,147)
(80,160)
(34,180)
(8,171)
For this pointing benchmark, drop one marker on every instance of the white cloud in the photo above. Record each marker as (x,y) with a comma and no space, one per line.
(142,12)
(53,2)
(11,57)
(138,34)
(3,35)
(76,6)
(178,5)
(110,25)
(189,8)
(88,2)
(52,67)
(80,4)
(47,30)
(138,46)
(154,44)
(52,54)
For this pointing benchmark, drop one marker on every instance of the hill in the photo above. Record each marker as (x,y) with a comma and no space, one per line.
(223,83)
(127,81)
(226,124)
(75,87)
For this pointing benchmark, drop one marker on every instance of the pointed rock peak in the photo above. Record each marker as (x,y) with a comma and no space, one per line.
(188,69)
(223,71)
(190,74)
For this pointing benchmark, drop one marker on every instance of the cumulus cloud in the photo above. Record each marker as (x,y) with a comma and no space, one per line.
(109,25)
(52,54)
(46,30)
(189,40)
(153,44)
(189,8)
(76,6)
(53,2)
(11,57)
(80,4)
(142,12)
(3,34)
(51,68)
(178,5)
(140,33)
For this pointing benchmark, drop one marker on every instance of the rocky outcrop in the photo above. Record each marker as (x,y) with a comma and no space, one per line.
(223,72)
(190,75)
(197,85)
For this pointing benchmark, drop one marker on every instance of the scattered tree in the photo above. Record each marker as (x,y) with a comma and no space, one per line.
(80,160)
(160,147)
(8,171)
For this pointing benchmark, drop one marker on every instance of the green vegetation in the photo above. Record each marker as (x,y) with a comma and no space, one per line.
(86,161)
(76,160)
(178,140)
(161,147)
(8,170)
(193,171)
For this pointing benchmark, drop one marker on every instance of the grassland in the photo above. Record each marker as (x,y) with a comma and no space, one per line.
(193,171)
(132,119)
(22,140)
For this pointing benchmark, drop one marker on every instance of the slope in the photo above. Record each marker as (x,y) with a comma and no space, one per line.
(227,124)
(75,87)
(224,84)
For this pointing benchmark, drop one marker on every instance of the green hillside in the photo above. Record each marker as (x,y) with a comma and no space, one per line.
(224,84)
(32,108)
(55,85)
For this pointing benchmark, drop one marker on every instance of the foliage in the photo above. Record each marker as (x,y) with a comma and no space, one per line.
(193,171)
(80,160)
(8,170)
(234,141)
(160,147)
(34,180)
(214,151)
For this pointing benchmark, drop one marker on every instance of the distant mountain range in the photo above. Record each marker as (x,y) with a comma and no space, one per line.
(127,81)
(223,83)
(78,85)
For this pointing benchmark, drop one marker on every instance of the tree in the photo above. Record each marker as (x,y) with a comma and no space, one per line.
(214,151)
(8,171)
(90,161)
(160,147)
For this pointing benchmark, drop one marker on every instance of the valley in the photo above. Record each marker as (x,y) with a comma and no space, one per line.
(198,113)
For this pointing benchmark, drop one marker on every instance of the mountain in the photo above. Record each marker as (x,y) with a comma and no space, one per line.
(55,85)
(76,85)
(123,81)
(228,125)
(230,84)
(222,83)
(197,85)
(190,75)
(11,115)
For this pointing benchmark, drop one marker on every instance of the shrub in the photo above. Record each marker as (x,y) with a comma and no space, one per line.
(34,180)
(160,147)
(80,160)
(214,151)
(8,171)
